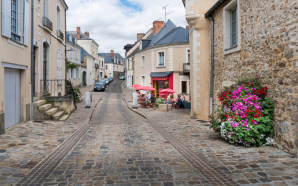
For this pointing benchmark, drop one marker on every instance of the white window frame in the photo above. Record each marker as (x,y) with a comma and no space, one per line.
(143,61)
(143,80)
(58,18)
(187,58)
(228,48)
(106,67)
(164,58)
(185,78)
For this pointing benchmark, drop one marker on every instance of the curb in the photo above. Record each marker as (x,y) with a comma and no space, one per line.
(129,107)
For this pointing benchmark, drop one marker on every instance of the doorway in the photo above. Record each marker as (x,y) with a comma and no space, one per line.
(84,79)
(45,64)
(12,95)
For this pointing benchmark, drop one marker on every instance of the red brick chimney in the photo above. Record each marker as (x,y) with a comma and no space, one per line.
(187,27)
(139,36)
(87,33)
(112,53)
(79,32)
(157,25)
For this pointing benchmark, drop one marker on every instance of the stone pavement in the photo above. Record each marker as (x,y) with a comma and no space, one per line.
(25,145)
(245,165)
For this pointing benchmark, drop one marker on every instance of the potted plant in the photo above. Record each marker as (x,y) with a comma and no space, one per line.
(148,103)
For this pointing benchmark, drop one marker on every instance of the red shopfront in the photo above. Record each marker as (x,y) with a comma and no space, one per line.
(160,83)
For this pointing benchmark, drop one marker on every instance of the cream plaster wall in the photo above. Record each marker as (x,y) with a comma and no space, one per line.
(14,53)
(90,71)
(44,35)
(200,56)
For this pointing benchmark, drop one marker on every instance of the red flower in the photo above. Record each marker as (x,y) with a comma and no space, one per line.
(254,92)
(252,121)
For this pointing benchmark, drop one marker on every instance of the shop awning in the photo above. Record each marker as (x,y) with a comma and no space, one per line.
(160,74)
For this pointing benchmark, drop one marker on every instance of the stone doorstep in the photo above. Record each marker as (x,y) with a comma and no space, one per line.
(45,107)
(63,118)
(39,103)
(52,111)
(58,115)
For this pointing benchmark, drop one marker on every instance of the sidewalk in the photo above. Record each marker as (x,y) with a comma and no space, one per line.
(26,144)
(245,165)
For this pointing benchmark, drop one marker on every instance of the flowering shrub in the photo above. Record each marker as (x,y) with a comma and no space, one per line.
(246,115)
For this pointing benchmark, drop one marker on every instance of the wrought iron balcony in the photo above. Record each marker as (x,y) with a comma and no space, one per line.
(186,67)
(47,23)
(96,66)
(60,35)
(15,37)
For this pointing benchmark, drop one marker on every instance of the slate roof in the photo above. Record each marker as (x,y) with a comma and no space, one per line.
(160,74)
(169,34)
(109,59)
(83,36)
(85,53)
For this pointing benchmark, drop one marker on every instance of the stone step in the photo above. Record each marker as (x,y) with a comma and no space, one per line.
(51,111)
(39,103)
(45,107)
(63,118)
(58,115)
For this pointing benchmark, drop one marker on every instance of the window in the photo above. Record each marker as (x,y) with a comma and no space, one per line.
(114,67)
(101,63)
(46,8)
(15,20)
(71,54)
(77,56)
(143,80)
(188,56)
(143,62)
(58,18)
(77,73)
(161,59)
(234,27)
(184,87)
(231,27)
(117,68)
(70,73)
(106,67)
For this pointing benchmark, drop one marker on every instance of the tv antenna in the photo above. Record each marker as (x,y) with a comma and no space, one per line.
(166,13)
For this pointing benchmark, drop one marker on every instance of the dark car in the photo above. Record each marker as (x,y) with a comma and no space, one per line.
(122,78)
(107,80)
(110,79)
(99,87)
(103,82)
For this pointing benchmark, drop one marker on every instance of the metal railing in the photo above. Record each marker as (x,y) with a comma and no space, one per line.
(56,87)
(15,37)
(96,66)
(186,67)
(60,35)
(47,23)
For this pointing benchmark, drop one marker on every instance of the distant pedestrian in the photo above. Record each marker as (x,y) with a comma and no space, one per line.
(149,95)
(183,100)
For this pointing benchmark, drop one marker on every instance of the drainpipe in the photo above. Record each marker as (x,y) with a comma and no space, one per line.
(133,69)
(212,63)
(65,50)
(32,52)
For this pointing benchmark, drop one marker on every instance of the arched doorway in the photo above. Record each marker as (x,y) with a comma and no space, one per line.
(45,66)
(84,79)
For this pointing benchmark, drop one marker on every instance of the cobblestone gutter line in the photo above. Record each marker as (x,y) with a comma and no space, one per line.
(215,176)
(42,170)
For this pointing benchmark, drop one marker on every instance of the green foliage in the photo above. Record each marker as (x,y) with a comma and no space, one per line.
(159,101)
(77,94)
(148,103)
(70,65)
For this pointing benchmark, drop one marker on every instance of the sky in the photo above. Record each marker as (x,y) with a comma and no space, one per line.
(115,23)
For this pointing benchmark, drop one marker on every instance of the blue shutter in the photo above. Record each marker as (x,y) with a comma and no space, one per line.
(26,23)
(6,18)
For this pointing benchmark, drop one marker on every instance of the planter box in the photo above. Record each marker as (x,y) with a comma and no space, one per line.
(163,107)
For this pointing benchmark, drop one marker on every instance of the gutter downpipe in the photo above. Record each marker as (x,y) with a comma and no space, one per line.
(65,51)
(32,54)
(212,64)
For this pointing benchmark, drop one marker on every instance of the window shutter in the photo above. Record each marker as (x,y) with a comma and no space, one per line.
(6,18)
(26,23)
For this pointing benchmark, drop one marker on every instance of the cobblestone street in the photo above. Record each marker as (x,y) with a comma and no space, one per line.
(109,144)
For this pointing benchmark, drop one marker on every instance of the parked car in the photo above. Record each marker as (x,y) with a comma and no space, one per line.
(99,87)
(110,79)
(103,82)
(122,78)
(107,80)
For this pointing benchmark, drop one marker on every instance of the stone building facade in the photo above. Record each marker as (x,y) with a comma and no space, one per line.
(267,47)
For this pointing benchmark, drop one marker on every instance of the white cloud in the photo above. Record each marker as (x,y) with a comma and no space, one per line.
(113,25)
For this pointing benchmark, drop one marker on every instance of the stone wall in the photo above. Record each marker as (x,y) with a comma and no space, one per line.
(269,49)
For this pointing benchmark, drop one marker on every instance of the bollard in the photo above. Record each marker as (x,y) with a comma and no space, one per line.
(87,100)
(135,100)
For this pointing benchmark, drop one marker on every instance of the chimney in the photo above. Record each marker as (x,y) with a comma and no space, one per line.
(112,53)
(78,32)
(187,27)
(157,25)
(139,36)
(87,33)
